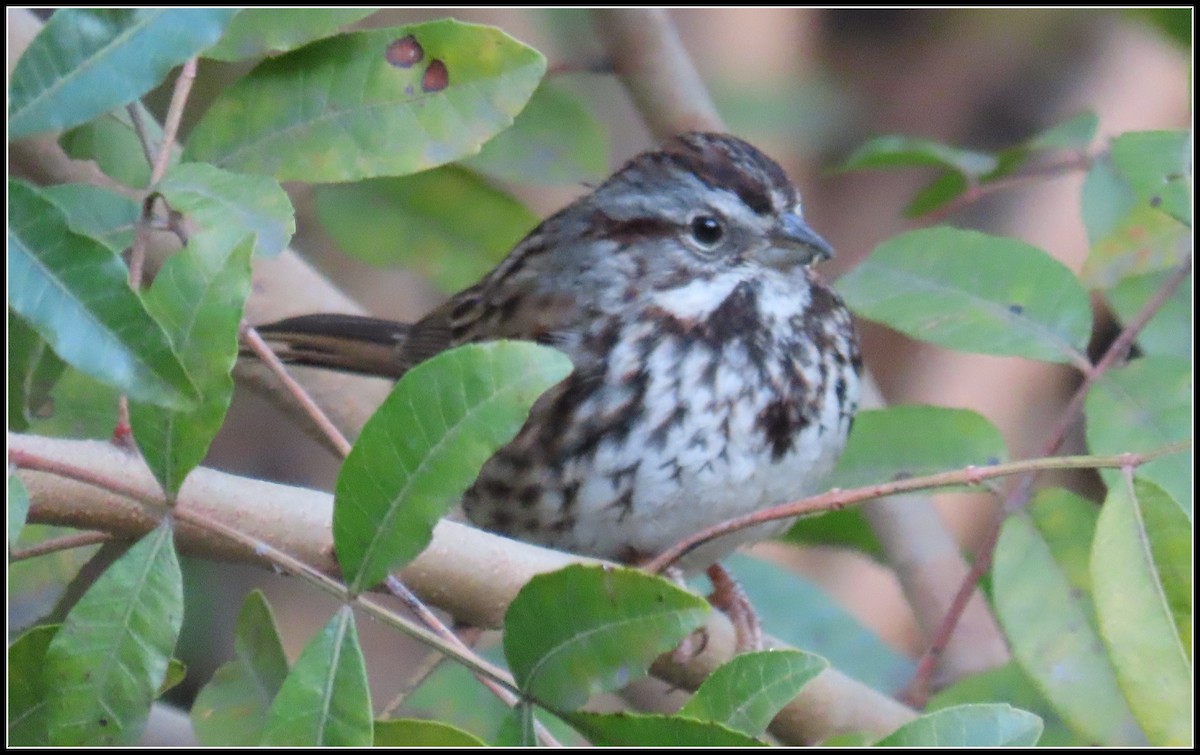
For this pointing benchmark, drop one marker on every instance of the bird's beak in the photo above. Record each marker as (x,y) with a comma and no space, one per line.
(793,243)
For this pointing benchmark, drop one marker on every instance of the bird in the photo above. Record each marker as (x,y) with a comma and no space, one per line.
(715,372)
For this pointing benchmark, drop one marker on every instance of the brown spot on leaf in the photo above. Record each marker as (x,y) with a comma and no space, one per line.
(405,52)
(436,77)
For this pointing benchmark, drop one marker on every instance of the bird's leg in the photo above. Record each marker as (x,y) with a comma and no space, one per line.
(729,598)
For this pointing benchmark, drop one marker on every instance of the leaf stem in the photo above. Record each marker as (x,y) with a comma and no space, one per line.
(310,407)
(838,499)
(976,191)
(58,544)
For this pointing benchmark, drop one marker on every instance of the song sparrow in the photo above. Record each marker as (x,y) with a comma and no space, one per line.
(715,374)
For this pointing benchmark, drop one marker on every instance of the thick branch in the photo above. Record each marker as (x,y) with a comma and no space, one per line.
(470,573)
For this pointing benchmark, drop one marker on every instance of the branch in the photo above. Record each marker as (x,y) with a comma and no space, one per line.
(835,499)
(469,573)
(650,62)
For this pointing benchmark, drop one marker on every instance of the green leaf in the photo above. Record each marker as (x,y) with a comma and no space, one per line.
(226,206)
(231,710)
(86,62)
(1158,166)
(648,730)
(102,214)
(1170,537)
(78,407)
(447,222)
(969,726)
(555,140)
(27,687)
(1141,550)
(973,292)
(176,672)
(199,299)
(847,528)
(1127,237)
(883,447)
(18,506)
(255,32)
(746,692)
(106,664)
(113,144)
(943,189)
(1169,332)
(338,110)
(451,694)
(1067,522)
(33,370)
(36,586)
(414,732)
(1049,629)
(1074,133)
(1142,406)
(75,294)
(1010,685)
(904,152)
(517,729)
(824,627)
(1173,23)
(324,702)
(425,446)
(619,621)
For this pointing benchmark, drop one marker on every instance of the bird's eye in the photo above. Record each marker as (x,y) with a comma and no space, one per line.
(707,231)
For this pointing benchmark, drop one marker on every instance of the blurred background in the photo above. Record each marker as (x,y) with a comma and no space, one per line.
(808,87)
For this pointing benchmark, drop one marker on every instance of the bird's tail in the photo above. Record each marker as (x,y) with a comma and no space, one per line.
(353,343)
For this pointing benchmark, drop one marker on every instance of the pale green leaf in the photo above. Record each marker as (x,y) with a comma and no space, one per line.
(1139,407)
(231,710)
(883,447)
(643,730)
(993,725)
(324,701)
(269,31)
(415,732)
(619,621)
(75,294)
(106,664)
(87,61)
(372,103)
(555,140)
(27,687)
(1138,606)
(199,301)
(1049,629)
(973,292)
(446,223)
(746,692)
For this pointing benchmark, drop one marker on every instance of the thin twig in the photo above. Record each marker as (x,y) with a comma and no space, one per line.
(268,357)
(839,499)
(651,62)
(412,603)
(977,191)
(422,668)
(65,543)
(139,127)
(917,693)
(264,352)
(285,562)
(183,87)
